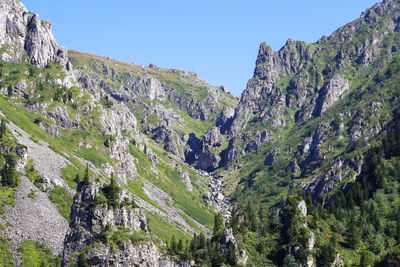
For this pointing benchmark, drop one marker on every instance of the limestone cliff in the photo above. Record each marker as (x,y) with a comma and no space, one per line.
(108,236)
(24,37)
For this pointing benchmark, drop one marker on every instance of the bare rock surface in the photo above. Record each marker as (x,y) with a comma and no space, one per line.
(35,218)
(88,221)
(23,33)
(215,195)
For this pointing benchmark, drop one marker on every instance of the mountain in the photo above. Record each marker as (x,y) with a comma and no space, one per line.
(107,163)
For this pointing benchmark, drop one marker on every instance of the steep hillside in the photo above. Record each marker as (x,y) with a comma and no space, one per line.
(117,119)
(304,128)
(311,110)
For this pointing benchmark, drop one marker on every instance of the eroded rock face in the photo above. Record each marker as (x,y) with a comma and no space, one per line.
(88,221)
(203,153)
(131,255)
(23,34)
(331,93)
(150,88)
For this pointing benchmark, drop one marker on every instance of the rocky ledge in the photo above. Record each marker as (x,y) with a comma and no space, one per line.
(101,235)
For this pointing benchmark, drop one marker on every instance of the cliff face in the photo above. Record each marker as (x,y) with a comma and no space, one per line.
(24,37)
(108,236)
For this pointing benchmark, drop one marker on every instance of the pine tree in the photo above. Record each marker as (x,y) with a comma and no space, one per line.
(86,175)
(4,178)
(111,192)
(261,214)
(82,262)
(251,217)
(290,261)
(2,129)
(173,245)
(231,256)
(217,260)
(107,142)
(77,179)
(353,234)
(201,241)
(398,229)
(9,90)
(8,176)
(327,255)
(308,199)
(192,247)
(180,246)
(218,225)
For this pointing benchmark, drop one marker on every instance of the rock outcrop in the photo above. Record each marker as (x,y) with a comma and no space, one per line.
(90,220)
(23,36)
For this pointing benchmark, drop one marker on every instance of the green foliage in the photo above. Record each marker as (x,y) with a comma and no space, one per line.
(99,200)
(111,192)
(63,200)
(9,177)
(92,155)
(2,128)
(7,198)
(162,228)
(106,102)
(31,194)
(6,258)
(327,255)
(36,254)
(218,225)
(86,176)
(33,174)
(125,235)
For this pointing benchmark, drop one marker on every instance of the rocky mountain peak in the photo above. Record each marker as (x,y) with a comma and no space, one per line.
(24,37)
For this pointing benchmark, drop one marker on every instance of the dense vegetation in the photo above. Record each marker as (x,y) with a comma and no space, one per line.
(206,251)
(37,254)
(361,223)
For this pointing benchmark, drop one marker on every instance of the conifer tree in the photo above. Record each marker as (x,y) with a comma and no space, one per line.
(9,90)
(353,234)
(218,224)
(201,241)
(2,128)
(86,175)
(231,256)
(261,213)
(111,192)
(251,217)
(77,179)
(398,229)
(180,246)
(173,245)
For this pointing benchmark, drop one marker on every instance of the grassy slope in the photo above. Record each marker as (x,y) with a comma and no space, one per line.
(170,180)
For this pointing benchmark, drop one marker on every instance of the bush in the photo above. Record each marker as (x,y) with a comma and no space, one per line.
(37,254)
(99,200)
(63,200)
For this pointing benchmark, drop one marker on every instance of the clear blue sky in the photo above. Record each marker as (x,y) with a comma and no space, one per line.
(218,39)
